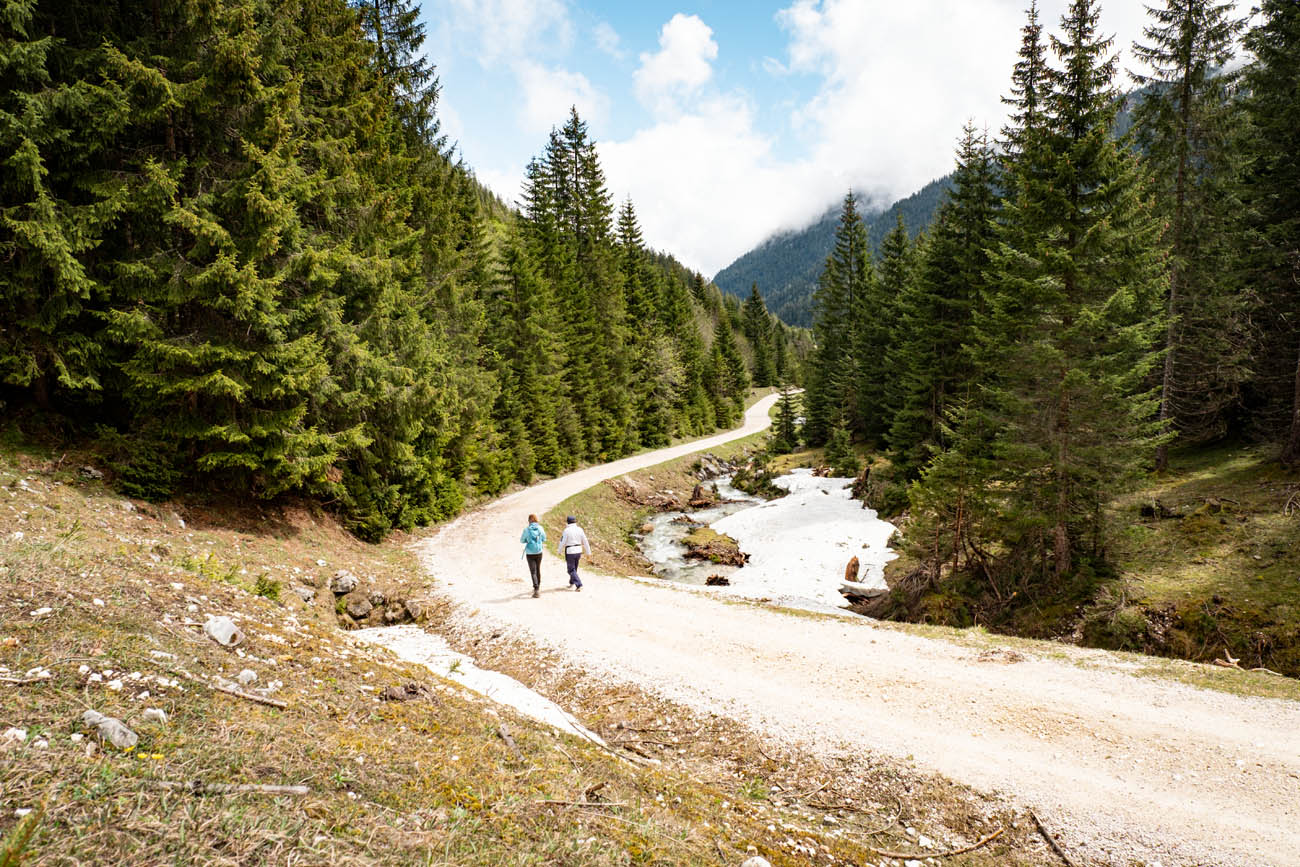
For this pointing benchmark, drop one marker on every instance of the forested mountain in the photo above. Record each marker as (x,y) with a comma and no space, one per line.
(240,257)
(785,267)
(1080,301)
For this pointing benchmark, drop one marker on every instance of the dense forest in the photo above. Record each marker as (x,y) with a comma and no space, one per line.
(240,256)
(1081,302)
(785,267)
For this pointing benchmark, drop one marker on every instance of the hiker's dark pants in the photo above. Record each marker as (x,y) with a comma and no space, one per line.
(571,560)
(535,569)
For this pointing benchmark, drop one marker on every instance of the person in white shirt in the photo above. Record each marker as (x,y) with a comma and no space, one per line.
(573,544)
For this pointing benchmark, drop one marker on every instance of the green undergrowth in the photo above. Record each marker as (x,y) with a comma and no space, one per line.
(109,597)
(1202,562)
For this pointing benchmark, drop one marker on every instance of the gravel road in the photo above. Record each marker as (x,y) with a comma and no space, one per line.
(1130,769)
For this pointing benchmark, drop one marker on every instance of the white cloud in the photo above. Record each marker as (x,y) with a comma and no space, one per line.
(548,93)
(707,186)
(681,66)
(607,40)
(504,29)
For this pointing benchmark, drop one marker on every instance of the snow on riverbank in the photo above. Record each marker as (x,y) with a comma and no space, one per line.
(799,544)
(413,644)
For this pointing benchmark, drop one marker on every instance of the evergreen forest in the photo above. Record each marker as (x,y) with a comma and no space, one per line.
(241,256)
(1081,303)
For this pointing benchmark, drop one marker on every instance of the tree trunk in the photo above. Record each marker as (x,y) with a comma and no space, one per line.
(1291,454)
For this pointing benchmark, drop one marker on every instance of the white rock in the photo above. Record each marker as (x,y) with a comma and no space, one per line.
(320,562)
(18,535)
(756,861)
(924,842)
(98,602)
(223,631)
(96,677)
(247,676)
(22,811)
(111,729)
(83,669)
(115,684)
(41,612)
(155,714)
(12,737)
(41,744)
(176,585)
(912,863)
(76,738)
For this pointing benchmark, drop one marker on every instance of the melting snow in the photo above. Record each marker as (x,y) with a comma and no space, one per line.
(413,644)
(799,544)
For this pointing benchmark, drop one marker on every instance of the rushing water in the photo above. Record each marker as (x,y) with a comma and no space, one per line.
(663,546)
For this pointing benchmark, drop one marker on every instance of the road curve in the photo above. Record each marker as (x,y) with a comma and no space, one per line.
(1132,768)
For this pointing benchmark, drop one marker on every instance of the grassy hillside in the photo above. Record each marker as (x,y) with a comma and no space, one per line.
(108,596)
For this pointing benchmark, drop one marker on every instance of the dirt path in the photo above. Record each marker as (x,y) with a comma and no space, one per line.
(1131,769)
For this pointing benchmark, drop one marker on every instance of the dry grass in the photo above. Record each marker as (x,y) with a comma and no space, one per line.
(423,782)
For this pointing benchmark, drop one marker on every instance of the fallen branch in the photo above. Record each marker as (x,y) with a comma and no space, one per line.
(248,696)
(885,853)
(504,732)
(883,828)
(811,792)
(1050,841)
(1229,661)
(198,787)
(594,805)
(22,681)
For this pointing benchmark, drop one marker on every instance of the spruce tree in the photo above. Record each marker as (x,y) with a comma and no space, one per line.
(758,331)
(785,432)
(1187,124)
(1272,190)
(932,363)
(1067,331)
(58,198)
(832,397)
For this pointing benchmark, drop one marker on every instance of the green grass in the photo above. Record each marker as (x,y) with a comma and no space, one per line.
(1225,572)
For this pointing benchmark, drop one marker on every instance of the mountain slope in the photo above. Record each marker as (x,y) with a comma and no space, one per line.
(786,266)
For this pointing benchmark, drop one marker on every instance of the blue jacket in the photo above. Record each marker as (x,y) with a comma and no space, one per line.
(533,538)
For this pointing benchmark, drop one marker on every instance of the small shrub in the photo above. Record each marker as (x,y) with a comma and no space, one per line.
(267,587)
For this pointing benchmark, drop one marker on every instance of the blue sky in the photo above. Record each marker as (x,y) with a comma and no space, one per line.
(728,121)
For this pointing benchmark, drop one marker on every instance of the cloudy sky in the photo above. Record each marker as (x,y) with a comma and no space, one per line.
(728,121)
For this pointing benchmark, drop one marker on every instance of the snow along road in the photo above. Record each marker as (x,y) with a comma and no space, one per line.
(1128,767)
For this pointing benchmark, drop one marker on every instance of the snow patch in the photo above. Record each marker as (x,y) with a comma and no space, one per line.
(412,644)
(798,545)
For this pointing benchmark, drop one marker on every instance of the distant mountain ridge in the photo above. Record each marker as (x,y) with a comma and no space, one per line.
(787,265)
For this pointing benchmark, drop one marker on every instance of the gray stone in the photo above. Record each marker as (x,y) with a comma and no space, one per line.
(416,609)
(307,594)
(394,613)
(111,729)
(247,676)
(343,582)
(359,608)
(91,473)
(376,598)
(223,631)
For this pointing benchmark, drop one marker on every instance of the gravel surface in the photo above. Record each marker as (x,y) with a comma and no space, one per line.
(1129,769)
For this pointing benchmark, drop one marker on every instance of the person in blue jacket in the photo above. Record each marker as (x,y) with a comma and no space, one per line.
(534,537)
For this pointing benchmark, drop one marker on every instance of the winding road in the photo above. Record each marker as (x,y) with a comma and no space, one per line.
(1131,768)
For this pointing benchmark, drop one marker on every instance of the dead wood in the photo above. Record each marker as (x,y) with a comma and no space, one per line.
(504,731)
(1050,841)
(595,805)
(198,787)
(248,696)
(885,853)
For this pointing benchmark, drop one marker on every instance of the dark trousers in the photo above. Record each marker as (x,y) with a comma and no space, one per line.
(571,560)
(535,569)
